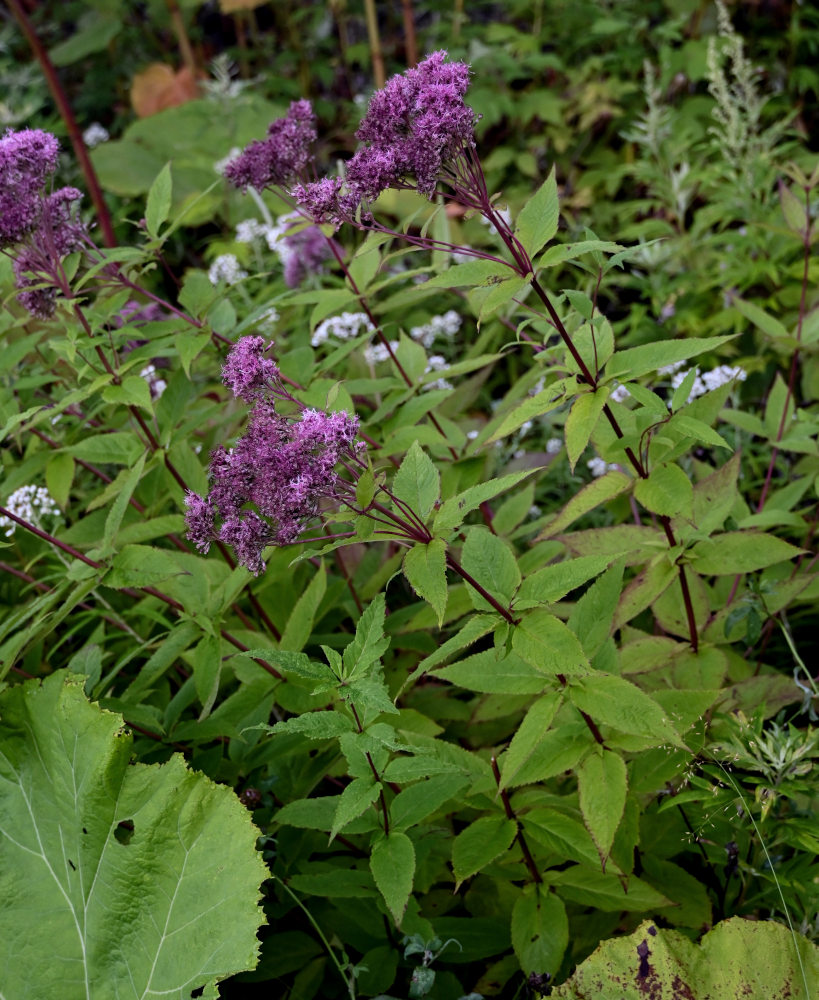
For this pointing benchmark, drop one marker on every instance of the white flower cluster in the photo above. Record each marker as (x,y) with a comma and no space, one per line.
(438,363)
(343,327)
(708,381)
(95,134)
(598,467)
(31,503)
(156,384)
(439,326)
(226,268)
(249,230)
(378,352)
(553,446)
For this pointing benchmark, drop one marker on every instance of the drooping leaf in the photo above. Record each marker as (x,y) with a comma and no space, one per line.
(597,492)
(602,786)
(480,843)
(540,930)
(581,421)
(667,491)
(392,864)
(81,827)
(740,552)
(356,797)
(620,704)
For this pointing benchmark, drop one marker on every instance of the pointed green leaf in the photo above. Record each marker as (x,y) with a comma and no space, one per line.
(552,583)
(453,511)
(616,702)
(592,617)
(392,864)
(637,361)
(158,204)
(602,786)
(667,491)
(558,750)
(537,220)
(591,496)
(356,797)
(529,734)
(582,420)
(740,552)
(480,843)
(490,562)
(59,475)
(370,643)
(300,623)
(417,482)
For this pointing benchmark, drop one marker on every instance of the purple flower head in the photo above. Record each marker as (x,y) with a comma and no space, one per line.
(282,157)
(275,480)
(245,372)
(414,126)
(136,314)
(27,159)
(320,199)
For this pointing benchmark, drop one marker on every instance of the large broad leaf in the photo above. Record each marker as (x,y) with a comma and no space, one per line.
(118,880)
(755,960)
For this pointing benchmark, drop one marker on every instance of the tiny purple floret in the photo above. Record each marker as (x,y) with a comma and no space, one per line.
(245,372)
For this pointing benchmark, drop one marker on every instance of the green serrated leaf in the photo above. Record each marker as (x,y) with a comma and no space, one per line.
(616,702)
(740,552)
(425,570)
(667,491)
(602,785)
(356,797)
(392,864)
(453,511)
(548,645)
(417,482)
(490,561)
(637,361)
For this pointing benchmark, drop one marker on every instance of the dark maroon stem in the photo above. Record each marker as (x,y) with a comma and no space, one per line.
(456,567)
(519,836)
(67,114)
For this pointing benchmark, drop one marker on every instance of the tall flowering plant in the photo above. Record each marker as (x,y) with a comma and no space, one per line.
(459,625)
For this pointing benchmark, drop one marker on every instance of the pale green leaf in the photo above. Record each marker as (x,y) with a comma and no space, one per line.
(548,645)
(581,421)
(637,361)
(616,702)
(82,825)
(667,491)
(489,560)
(158,205)
(537,220)
(740,552)
(454,510)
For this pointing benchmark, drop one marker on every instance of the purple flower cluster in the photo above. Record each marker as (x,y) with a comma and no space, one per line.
(282,157)
(265,489)
(417,126)
(41,226)
(246,373)
(27,160)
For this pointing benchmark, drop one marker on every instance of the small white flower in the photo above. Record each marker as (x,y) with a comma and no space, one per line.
(31,503)
(519,453)
(438,363)
(535,511)
(504,214)
(553,446)
(220,165)
(226,268)
(598,467)
(95,134)
(620,393)
(708,381)
(471,435)
(525,427)
(343,327)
